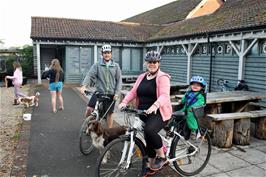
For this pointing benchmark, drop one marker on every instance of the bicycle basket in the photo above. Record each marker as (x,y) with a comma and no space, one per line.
(199,111)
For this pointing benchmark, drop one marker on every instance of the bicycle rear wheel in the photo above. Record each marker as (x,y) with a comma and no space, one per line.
(112,164)
(85,141)
(197,161)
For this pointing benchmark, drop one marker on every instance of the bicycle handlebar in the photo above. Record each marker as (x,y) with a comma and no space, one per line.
(98,95)
(135,111)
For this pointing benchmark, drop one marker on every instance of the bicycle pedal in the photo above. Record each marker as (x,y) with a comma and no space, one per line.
(203,138)
(138,152)
(184,161)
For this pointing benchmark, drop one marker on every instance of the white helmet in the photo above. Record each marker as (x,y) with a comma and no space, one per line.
(106,48)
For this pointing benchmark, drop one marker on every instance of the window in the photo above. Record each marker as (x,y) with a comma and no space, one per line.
(131,59)
(136,59)
(126,60)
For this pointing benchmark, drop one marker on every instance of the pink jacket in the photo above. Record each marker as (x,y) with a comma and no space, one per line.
(163,101)
(17,77)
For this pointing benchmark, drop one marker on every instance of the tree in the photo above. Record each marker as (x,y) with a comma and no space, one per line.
(26,59)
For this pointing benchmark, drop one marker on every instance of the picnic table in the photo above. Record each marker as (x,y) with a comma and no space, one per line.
(129,78)
(176,87)
(229,114)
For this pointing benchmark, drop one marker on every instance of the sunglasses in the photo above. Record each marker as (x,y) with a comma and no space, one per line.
(106,52)
(152,62)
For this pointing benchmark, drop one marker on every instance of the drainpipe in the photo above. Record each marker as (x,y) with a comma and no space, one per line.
(211,57)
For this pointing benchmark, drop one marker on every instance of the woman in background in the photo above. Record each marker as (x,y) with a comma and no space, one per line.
(56,78)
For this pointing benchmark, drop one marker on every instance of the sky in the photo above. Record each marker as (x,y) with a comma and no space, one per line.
(15,15)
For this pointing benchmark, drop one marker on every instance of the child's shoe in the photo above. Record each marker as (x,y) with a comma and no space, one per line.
(193,135)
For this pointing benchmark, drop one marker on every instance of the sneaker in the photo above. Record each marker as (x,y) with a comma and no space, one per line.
(147,172)
(159,163)
(193,135)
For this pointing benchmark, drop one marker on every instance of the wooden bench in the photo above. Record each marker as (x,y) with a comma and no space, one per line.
(234,128)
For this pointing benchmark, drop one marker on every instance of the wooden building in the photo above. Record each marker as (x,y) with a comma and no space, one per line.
(226,40)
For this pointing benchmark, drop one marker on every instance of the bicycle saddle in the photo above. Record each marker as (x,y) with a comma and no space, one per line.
(178,114)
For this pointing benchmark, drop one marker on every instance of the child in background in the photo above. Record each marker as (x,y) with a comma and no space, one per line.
(17,79)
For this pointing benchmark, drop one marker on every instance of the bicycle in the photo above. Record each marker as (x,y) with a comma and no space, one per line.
(225,85)
(85,142)
(127,157)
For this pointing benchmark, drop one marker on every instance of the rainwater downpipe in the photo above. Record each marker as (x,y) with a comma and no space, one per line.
(211,58)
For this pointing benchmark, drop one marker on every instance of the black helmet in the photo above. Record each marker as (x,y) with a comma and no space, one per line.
(153,56)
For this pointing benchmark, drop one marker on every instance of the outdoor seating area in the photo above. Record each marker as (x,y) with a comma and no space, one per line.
(229,116)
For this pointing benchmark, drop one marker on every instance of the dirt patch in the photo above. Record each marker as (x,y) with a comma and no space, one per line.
(10,128)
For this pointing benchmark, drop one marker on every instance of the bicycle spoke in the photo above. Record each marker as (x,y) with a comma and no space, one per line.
(195,155)
(114,166)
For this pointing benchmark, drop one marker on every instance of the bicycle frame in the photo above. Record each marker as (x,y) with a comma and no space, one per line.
(133,132)
(182,151)
(96,112)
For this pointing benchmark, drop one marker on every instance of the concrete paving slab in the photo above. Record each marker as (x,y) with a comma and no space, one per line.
(252,156)
(220,175)
(227,162)
(250,171)
(262,148)
(254,142)
(209,170)
(262,165)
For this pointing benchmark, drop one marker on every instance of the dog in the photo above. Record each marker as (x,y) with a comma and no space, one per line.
(29,100)
(102,136)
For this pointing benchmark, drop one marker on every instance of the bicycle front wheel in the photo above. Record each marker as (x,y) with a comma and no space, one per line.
(113,160)
(85,141)
(192,160)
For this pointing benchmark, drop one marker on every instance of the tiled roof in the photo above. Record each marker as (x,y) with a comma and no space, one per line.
(233,15)
(172,12)
(73,29)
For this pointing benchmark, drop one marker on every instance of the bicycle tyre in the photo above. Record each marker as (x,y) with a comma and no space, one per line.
(114,152)
(85,142)
(201,157)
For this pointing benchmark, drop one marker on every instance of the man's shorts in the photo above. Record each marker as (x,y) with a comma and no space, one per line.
(56,86)
(106,103)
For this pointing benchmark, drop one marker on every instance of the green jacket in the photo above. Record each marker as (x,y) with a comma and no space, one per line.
(197,100)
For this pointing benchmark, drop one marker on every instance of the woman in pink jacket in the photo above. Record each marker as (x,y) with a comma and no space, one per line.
(152,93)
(17,79)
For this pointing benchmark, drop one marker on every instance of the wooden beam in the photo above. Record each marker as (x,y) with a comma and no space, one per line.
(38,53)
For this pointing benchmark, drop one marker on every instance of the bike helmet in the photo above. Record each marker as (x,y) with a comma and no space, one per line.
(198,79)
(152,56)
(106,48)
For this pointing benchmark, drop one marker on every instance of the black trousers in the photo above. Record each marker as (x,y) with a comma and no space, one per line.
(153,124)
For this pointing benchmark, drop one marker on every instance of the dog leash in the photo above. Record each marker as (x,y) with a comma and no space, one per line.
(107,110)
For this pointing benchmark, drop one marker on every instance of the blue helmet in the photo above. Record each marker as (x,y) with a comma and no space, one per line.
(198,79)
(153,56)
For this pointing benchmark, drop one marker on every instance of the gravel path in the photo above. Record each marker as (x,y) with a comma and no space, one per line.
(10,124)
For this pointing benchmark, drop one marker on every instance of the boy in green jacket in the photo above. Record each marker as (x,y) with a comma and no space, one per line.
(194,97)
